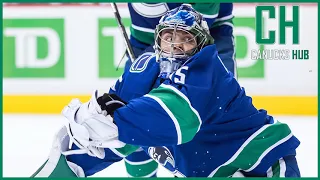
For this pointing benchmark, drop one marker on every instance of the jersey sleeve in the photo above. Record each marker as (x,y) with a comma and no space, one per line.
(225,15)
(116,86)
(160,118)
(222,28)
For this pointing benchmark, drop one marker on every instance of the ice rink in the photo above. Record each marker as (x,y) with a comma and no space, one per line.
(27,140)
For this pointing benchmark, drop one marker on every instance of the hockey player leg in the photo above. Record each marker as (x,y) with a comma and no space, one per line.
(57,165)
(139,164)
(285,167)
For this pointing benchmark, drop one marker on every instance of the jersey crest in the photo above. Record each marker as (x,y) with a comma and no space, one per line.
(162,155)
(141,63)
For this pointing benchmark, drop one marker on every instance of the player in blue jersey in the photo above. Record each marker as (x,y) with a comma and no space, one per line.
(182,107)
(144,18)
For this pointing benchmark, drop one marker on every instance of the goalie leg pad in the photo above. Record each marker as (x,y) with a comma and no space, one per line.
(57,165)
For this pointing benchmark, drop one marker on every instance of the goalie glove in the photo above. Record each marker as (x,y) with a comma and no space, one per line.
(90,127)
(110,102)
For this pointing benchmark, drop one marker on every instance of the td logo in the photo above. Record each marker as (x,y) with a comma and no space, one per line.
(33,48)
(244,32)
(111,47)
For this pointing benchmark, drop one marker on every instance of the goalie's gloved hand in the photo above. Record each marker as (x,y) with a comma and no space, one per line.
(110,103)
(90,127)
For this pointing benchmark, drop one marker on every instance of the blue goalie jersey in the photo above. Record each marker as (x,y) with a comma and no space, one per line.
(200,122)
(197,123)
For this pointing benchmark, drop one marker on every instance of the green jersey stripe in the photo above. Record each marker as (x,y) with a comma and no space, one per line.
(224,18)
(254,149)
(143,170)
(186,99)
(276,170)
(268,150)
(208,10)
(241,148)
(149,175)
(138,163)
(125,150)
(186,119)
(167,110)
(142,34)
(142,29)
(228,22)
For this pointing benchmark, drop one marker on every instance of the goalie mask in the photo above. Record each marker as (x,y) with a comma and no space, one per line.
(181,33)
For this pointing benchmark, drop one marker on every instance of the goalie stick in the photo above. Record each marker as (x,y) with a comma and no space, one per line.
(123,31)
